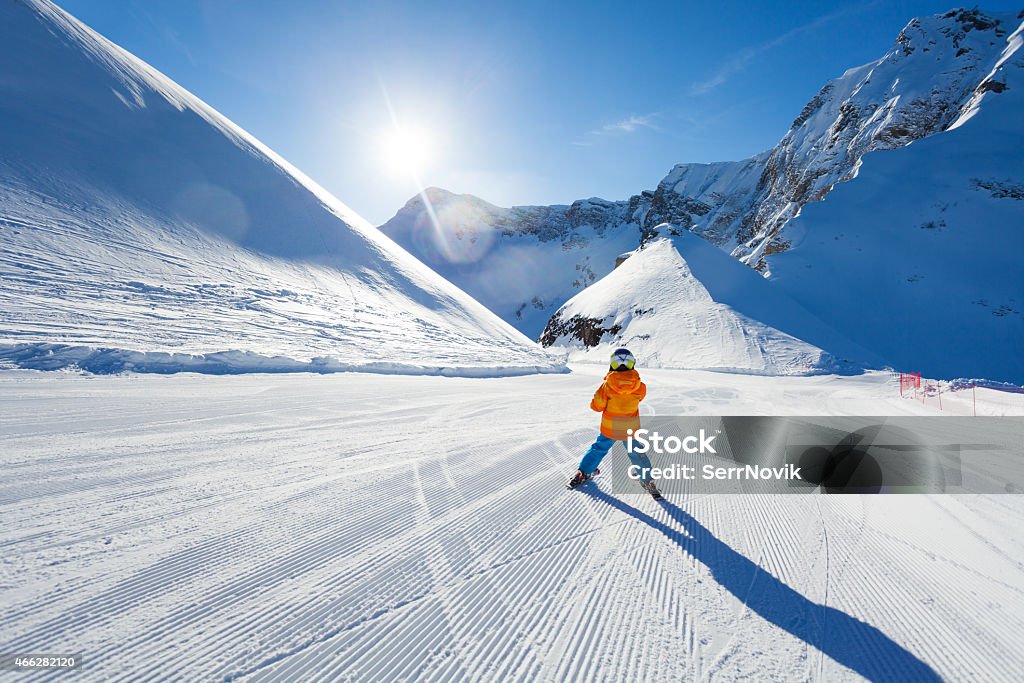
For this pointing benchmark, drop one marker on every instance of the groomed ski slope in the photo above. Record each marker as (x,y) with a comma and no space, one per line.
(374,527)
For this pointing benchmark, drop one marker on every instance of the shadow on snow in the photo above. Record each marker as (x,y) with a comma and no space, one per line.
(849,641)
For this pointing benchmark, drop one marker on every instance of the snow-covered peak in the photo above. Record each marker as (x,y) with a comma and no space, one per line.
(680,302)
(918,88)
(521,262)
(930,77)
(694,178)
(708,199)
(961,26)
(943,75)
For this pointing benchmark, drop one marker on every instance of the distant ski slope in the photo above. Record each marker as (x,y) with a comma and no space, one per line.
(141,229)
(300,528)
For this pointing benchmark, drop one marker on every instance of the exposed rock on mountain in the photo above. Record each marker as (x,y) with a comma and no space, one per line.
(920,257)
(919,88)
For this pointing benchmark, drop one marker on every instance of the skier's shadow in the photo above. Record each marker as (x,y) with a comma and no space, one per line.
(849,641)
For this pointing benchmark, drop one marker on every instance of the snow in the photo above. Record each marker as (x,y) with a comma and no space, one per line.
(727,189)
(919,259)
(310,508)
(1013,44)
(141,229)
(374,527)
(680,302)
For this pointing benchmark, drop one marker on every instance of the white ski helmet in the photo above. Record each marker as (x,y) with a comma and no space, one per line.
(622,360)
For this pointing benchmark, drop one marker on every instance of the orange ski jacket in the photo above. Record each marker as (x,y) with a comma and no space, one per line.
(618,401)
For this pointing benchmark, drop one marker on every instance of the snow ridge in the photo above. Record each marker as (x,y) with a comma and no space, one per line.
(933,72)
(919,259)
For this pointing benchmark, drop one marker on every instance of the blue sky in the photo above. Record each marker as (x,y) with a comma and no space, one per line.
(518,103)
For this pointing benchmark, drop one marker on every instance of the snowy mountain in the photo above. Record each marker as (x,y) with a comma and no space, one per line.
(920,259)
(929,78)
(940,70)
(523,262)
(679,302)
(141,229)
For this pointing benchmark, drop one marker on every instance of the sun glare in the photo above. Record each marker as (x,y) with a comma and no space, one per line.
(405,150)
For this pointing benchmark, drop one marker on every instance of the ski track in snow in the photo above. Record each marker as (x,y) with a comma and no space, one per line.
(368,527)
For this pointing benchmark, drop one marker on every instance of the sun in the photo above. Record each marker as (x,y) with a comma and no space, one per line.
(405,150)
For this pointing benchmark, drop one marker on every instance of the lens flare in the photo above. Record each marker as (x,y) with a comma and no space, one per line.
(406,145)
(456,233)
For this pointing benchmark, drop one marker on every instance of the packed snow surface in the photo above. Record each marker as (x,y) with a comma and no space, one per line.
(680,302)
(373,527)
(141,229)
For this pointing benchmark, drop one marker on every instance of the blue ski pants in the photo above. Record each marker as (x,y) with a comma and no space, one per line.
(595,454)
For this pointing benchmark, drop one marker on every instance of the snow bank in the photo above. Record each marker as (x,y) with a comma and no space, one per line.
(105,361)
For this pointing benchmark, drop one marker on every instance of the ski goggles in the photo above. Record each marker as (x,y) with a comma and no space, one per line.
(623,362)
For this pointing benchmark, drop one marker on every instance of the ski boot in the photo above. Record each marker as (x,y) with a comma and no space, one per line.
(579,478)
(651,489)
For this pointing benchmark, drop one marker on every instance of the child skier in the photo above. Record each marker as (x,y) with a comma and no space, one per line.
(618,401)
